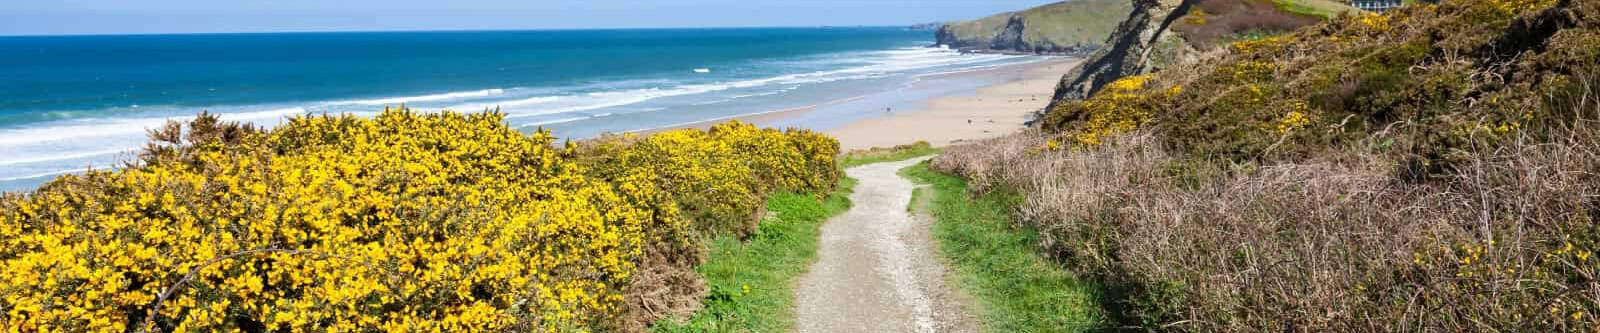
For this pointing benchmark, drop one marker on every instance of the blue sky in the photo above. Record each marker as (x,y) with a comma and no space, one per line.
(49,17)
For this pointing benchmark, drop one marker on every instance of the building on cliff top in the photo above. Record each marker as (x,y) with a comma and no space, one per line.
(1377,5)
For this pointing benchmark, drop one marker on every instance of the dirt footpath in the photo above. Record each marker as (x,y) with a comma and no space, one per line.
(877,269)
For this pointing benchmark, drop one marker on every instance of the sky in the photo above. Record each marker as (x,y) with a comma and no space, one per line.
(56,17)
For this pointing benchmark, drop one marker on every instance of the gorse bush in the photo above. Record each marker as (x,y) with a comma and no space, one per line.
(1435,79)
(712,183)
(721,174)
(1427,170)
(401,222)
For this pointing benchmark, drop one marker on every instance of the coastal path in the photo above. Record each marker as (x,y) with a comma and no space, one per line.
(877,268)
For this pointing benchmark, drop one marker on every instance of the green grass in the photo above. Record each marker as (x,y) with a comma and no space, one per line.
(1061,23)
(1017,289)
(1323,8)
(880,155)
(769,261)
(766,264)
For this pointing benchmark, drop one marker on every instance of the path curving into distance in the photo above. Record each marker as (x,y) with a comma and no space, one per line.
(877,268)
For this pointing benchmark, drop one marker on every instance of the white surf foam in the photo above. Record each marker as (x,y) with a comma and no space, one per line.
(101,127)
(423,98)
(43,174)
(506,106)
(879,63)
(62,157)
(60,147)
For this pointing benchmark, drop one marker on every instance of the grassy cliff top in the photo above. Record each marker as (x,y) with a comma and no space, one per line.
(1323,8)
(1061,23)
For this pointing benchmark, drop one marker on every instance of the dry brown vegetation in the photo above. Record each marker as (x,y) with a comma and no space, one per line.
(1433,170)
(1324,244)
(1212,23)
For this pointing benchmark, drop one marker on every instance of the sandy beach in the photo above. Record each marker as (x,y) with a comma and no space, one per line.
(988,112)
(942,119)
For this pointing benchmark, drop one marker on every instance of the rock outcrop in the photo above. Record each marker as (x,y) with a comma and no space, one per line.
(1074,27)
(1160,33)
(1010,37)
(1129,49)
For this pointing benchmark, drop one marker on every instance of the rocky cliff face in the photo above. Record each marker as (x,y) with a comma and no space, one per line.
(1129,49)
(1074,27)
(1010,37)
(1160,33)
(947,36)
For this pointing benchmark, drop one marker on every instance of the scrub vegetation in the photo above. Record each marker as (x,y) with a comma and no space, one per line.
(993,259)
(1432,169)
(402,222)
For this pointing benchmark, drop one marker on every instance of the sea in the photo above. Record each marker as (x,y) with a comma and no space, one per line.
(71,103)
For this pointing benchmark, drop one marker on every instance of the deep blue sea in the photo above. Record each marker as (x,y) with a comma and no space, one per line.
(68,103)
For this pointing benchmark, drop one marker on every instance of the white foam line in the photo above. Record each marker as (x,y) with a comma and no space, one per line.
(557,121)
(911,59)
(42,175)
(422,98)
(65,156)
(103,128)
(506,104)
(719,119)
(980,68)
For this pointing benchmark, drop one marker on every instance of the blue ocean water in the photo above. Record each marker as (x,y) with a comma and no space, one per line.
(68,103)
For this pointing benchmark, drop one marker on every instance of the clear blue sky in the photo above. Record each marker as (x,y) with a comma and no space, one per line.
(49,17)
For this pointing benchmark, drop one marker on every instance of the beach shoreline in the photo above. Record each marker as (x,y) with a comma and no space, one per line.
(989,110)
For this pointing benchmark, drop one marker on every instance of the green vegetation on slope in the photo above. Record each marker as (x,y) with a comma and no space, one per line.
(1163,34)
(1432,169)
(1323,8)
(994,260)
(1056,27)
(1453,75)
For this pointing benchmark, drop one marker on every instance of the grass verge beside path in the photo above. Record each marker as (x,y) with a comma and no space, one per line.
(752,281)
(857,158)
(1018,290)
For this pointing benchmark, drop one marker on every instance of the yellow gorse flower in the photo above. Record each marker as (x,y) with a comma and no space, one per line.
(401,222)
(1119,108)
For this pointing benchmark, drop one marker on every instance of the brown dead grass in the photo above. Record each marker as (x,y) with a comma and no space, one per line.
(1329,244)
(1213,23)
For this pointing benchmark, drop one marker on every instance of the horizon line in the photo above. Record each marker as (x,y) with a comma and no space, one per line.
(454,30)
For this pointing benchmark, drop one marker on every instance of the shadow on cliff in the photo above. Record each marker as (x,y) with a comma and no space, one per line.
(1127,54)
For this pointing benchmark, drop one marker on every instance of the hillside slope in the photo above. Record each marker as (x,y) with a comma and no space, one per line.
(1077,26)
(1161,33)
(1434,169)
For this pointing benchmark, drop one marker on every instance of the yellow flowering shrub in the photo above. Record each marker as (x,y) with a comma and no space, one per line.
(702,183)
(1272,44)
(401,222)
(1124,105)
(1374,22)
(720,176)
(1512,7)
(1296,119)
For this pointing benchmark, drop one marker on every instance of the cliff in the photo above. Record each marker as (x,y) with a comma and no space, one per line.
(1069,27)
(1160,33)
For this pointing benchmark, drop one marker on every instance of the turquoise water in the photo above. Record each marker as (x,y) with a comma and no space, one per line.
(72,102)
